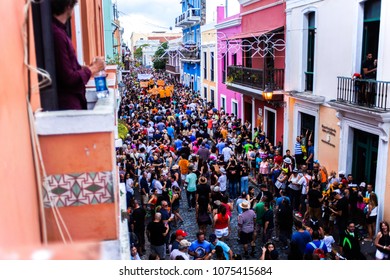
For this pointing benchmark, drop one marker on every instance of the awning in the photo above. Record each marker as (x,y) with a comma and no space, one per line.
(250,35)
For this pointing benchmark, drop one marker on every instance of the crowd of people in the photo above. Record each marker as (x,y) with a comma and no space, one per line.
(181,154)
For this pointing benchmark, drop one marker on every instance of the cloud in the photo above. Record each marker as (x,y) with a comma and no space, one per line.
(148,15)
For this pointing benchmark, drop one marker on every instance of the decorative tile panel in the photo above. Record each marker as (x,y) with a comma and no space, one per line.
(79,189)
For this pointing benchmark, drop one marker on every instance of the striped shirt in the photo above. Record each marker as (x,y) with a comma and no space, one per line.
(298,148)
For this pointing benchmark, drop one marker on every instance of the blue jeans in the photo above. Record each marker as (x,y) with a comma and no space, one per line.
(233,189)
(244,184)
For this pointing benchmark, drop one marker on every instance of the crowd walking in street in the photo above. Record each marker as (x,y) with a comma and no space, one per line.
(203,184)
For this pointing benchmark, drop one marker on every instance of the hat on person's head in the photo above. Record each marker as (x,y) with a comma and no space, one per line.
(362,184)
(217,189)
(295,170)
(222,170)
(181,232)
(202,180)
(244,205)
(212,238)
(341,172)
(287,160)
(185,243)
(175,167)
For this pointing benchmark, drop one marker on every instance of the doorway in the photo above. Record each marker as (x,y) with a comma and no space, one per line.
(308,125)
(365,156)
(248,112)
(270,122)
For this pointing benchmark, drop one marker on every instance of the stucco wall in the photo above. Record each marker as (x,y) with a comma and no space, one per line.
(18,195)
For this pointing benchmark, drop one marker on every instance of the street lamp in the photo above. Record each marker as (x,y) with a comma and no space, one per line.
(268,93)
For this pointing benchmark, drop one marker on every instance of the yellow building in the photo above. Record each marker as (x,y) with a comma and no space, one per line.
(209,60)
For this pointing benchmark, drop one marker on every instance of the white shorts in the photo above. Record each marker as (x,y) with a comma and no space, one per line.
(381,256)
(222,232)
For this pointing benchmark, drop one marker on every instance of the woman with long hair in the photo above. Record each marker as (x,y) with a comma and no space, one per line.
(382,242)
(372,211)
(203,211)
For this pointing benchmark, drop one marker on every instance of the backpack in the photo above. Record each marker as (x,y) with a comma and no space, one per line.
(318,251)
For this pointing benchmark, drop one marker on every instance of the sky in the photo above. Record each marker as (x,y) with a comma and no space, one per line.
(147,16)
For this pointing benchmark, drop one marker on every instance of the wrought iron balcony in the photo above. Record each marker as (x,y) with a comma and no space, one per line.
(189,17)
(190,55)
(172,69)
(365,93)
(255,78)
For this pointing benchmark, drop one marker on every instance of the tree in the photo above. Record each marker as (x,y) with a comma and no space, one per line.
(138,52)
(159,61)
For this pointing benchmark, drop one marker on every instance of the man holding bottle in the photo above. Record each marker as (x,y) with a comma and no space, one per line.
(71,77)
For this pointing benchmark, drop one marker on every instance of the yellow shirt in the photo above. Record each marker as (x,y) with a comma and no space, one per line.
(183,164)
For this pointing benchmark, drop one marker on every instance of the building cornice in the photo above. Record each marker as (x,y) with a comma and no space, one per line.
(280,2)
(229,23)
(247,2)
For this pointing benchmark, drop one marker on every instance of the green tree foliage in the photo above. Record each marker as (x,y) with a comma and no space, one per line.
(138,52)
(122,129)
(159,62)
(117,60)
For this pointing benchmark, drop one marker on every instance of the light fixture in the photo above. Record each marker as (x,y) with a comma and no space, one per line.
(268,93)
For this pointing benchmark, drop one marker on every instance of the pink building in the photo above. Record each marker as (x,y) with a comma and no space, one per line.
(258,64)
(229,100)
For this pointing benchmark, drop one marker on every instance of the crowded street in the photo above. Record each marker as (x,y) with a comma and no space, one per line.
(196,174)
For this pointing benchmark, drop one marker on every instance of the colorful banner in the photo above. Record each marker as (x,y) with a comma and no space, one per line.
(160,83)
(144,84)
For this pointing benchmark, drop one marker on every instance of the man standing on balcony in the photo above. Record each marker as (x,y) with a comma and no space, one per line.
(369,73)
(71,77)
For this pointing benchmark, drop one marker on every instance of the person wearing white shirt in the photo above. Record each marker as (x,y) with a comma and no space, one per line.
(222,180)
(158,186)
(227,153)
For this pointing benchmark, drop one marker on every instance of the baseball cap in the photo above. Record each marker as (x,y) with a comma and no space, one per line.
(185,243)
(181,232)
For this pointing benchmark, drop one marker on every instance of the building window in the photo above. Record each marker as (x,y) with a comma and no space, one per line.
(44,51)
(247,57)
(372,14)
(311,29)
(205,65)
(212,96)
(212,67)
(234,59)
(234,108)
(223,103)
(205,93)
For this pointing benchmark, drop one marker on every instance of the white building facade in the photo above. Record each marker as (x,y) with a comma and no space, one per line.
(327,43)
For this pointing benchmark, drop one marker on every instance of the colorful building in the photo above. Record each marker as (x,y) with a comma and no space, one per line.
(209,75)
(256,65)
(192,17)
(347,116)
(227,27)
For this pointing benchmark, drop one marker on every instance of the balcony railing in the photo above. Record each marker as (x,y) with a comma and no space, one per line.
(172,69)
(366,93)
(190,55)
(256,78)
(189,17)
